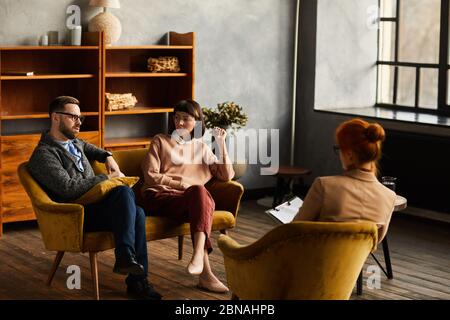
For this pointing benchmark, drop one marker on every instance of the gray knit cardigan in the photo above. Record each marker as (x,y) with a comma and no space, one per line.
(55,169)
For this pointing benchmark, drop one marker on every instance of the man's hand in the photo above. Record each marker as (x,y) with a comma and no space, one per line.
(111,165)
(113,168)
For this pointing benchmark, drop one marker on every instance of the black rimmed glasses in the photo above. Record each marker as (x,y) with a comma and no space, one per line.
(336,149)
(73,117)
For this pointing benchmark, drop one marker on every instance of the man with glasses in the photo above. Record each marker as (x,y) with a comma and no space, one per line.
(60,164)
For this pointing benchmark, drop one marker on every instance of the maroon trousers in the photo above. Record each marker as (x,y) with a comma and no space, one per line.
(194,205)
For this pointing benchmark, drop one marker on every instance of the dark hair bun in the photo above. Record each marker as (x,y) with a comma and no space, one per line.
(375,132)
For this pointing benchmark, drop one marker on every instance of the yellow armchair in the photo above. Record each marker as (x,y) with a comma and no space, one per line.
(61,226)
(299,261)
(227,196)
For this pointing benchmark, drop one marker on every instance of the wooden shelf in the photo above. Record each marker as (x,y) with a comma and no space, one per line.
(163,47)
(139,110)
(125,142)
(49,76)
(58,70)
(143,75)
(25,48)
(37,115)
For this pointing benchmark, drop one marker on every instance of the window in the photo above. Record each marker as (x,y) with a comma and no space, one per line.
(413,63)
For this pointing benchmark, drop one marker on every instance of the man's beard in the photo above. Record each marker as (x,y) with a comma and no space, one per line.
(66,131)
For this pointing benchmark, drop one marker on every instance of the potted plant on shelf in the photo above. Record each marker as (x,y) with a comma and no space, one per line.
(228,115)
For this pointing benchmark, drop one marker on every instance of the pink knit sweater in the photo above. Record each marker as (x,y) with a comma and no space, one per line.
(172,166)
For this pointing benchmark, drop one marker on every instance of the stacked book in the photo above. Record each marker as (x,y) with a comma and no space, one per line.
(120,101)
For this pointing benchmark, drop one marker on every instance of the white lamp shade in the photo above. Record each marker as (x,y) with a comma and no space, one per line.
(105,3)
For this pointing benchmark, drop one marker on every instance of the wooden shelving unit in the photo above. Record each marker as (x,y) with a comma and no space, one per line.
(49,76)
(85,72)
(139,110)
(126,72)
(58,70)
(127,143)
(144,75)
(38,115)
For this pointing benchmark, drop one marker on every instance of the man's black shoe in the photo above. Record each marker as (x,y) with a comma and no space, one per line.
(128,265)
(142,290)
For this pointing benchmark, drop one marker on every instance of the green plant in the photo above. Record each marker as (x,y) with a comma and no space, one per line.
(228,114)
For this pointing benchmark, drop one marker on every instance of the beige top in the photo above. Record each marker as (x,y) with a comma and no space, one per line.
(355,196)
(170,165)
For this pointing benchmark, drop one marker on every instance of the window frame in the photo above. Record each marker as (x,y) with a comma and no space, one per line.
(443,67)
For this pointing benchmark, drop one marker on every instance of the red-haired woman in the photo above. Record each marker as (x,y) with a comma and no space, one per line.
(356,195)
(175,170)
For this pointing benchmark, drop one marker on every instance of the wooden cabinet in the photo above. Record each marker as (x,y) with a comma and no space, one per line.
(24,100)
(126,72)
(86,72)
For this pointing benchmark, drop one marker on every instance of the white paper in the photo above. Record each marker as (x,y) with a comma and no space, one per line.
(285,212)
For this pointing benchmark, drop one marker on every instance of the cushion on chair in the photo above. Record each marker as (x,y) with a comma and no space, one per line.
(100,190)
(160,227)
(227,196)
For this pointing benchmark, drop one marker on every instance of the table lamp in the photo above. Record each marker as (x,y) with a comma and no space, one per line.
(106,21)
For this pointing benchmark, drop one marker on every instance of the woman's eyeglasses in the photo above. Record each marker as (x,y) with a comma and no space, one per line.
(73,117)
(336,149)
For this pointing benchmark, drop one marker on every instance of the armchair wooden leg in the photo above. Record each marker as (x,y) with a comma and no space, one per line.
(94,273)
(223,231)
(56,262)
(180,247)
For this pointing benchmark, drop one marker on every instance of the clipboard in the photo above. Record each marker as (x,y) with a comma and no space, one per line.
(285,212)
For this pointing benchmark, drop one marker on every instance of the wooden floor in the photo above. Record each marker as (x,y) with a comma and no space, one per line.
(420,253)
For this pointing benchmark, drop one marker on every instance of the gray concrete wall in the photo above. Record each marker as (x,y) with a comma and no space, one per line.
(346,54)
(244,48)
(336,69)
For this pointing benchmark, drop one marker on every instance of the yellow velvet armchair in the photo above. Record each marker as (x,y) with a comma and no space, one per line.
(226,195)
(299,261)
(61,224)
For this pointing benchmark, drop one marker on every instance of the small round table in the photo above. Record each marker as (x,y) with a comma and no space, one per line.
(285,178)
(400,204)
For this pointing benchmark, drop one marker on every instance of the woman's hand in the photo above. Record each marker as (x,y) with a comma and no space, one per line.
(219,133)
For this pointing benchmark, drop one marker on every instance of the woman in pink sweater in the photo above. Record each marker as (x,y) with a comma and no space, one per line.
(176,169)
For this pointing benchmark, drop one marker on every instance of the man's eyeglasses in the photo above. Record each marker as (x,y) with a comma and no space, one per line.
(336,149)
(73,117)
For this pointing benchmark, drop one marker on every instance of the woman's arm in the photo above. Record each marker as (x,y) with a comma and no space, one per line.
(151,168)
(312,205)
(220,166)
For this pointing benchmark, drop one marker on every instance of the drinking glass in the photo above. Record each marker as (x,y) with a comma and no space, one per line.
(389,182)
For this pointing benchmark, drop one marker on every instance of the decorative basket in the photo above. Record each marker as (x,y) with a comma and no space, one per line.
(163,64)
(119,101)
